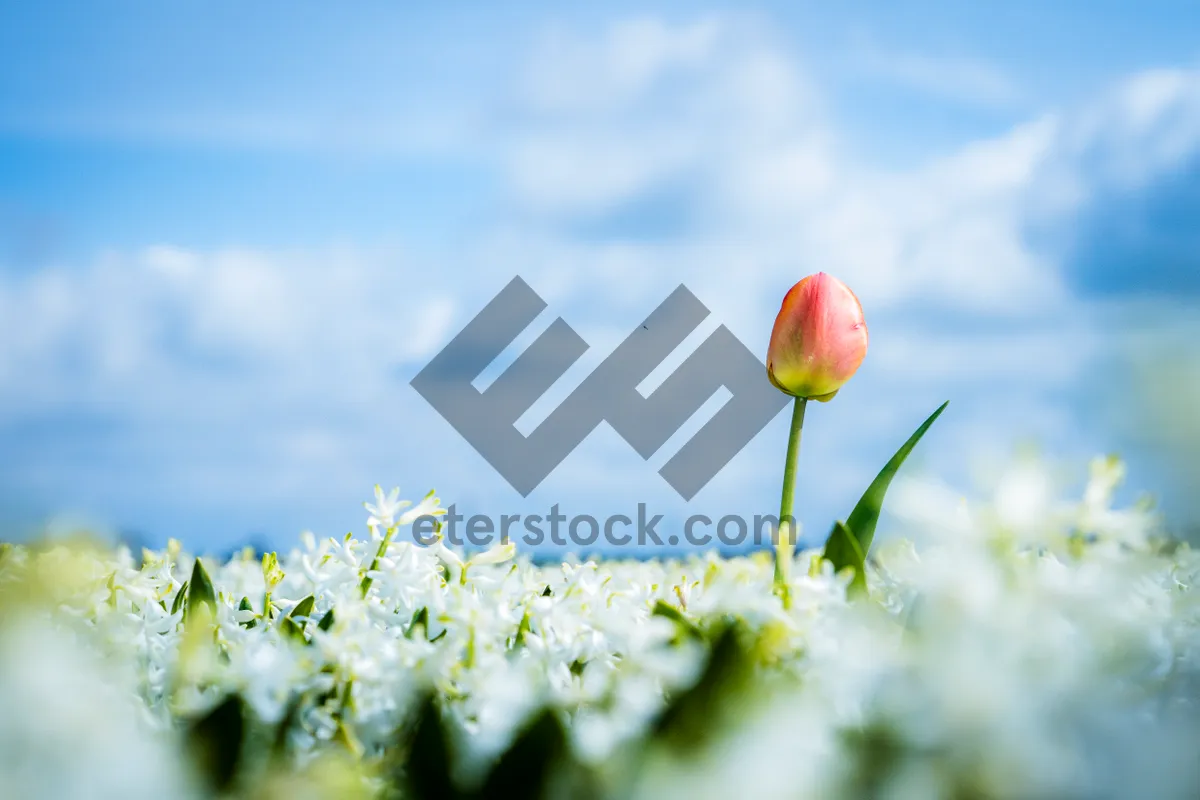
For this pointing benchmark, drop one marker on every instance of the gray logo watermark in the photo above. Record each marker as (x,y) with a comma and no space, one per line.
(585,530)
(609,394)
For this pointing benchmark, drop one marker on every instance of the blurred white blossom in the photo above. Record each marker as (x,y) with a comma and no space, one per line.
(1023,646)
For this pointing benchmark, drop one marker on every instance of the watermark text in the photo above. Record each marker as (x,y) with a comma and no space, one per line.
(640,529)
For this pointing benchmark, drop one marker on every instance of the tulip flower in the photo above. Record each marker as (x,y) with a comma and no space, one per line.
(819,339)
(818,342)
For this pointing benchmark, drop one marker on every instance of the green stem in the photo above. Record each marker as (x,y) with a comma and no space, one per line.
(787,537)
(367,580)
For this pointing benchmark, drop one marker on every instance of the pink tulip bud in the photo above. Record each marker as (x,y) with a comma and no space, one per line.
(819,339)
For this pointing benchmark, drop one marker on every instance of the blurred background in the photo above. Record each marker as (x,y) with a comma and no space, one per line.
(230,234)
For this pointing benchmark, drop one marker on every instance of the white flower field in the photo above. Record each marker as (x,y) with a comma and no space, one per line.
(1019,646)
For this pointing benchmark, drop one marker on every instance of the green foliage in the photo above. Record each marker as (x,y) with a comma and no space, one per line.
(522,629)
(693,715)
(290,721)
(526,769)
(420,618)
(199,601)
(304,608)
(668,611)
(426,770)
(245,605)
(180,597)
(292,629)
(849,554)
(849,542)
(214,742)
(200,591)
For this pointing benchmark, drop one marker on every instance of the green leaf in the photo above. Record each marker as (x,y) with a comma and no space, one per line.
(344,736)
(664,609)
(180,596)
(214,741)
(201,591)
(694,715)
(522,629)
(304,608)
(425,771)
(865,516)
(289,627)
(290,722)
(419,617)
(245,606)
(326,621)
(525,769)
(842,542)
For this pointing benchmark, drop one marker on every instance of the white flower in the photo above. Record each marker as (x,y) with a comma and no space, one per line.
(430,506)
(495,555)
(383,511)
(1020,652)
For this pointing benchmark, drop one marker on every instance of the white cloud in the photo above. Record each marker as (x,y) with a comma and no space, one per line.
(308,350)
(128,326)
(604,120)
(592,75)
(1140,130)
(740,126)
(767,185)
(965,80)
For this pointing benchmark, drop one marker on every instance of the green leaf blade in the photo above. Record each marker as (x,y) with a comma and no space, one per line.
(865,516)
(292,630)
(214,742)
(424,767)
(420,617)
(843,550)
(304,608)
(200,590)
(180,597)
(526,769)
(668,611)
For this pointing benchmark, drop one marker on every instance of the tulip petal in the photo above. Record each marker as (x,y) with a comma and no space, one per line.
(819,338)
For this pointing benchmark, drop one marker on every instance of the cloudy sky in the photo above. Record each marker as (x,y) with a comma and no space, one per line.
(231,234)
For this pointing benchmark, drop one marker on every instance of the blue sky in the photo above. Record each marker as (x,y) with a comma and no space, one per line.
(231,234)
